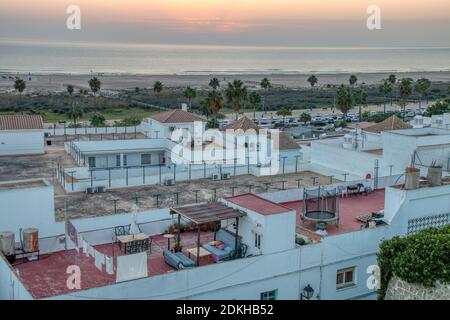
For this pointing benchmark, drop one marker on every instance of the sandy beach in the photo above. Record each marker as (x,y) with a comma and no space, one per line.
(58,82)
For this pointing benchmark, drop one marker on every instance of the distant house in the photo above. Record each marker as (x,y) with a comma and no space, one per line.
(282,142)
(21,134)
(162,125)
(391,123)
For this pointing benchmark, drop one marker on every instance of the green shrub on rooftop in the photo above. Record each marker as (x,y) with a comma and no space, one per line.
(421,258)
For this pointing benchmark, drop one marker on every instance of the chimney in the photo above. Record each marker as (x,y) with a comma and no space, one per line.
(412,178)
(434,175)
(184,107)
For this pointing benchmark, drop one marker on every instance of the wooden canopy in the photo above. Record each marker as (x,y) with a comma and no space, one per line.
(206,213)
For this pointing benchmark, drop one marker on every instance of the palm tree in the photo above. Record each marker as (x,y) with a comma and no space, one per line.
(158,87)
(265,84)
(385,89)
(392,80)
(95,84)
(312,79)
(214,83)
(190,94)
(344,100)
(405,88)
(215,102)
(70,89)
(212,104)
(20,85)
(255,99)
(74,113)
(236,94)
(205,109)
(422,86)
(353,80)
(360,99)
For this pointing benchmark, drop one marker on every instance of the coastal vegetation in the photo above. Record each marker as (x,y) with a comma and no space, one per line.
(234,97)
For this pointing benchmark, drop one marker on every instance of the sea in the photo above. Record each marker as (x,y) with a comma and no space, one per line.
(51,57)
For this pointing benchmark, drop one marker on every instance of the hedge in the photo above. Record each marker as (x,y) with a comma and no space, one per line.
(423,258)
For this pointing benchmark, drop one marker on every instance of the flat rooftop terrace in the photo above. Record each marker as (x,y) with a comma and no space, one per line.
(47,276)
(350,208)
(23,184)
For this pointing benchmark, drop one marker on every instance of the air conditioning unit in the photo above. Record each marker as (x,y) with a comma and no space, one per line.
(90,190)
(226,176)
(215,177)
(100,189)
(169,182)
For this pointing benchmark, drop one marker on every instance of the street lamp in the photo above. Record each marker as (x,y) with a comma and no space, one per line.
(307,293)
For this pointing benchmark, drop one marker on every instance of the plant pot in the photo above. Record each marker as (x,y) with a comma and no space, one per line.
(412,178)
(434,176)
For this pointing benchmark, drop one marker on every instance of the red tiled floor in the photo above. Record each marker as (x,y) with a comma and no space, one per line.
(349,209)
(47,276)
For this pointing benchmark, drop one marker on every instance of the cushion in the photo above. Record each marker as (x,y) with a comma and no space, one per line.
(213,243)
(221,246)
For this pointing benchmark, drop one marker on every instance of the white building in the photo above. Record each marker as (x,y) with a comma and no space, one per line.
(382,152)
(20,135)
(275,266)
(163,124)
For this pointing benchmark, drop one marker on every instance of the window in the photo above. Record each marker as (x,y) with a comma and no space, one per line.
(345,278)
(118,160)
(257,241)
(146,158)
(269,295)
(124,160)
(91,161)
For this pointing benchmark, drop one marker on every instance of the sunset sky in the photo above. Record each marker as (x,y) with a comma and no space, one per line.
(232,22)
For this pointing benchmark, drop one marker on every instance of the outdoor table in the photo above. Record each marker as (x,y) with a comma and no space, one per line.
(202,253)
(130,238)
(168,236)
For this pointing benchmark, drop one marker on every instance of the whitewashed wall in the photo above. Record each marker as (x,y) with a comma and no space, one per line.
(17,142)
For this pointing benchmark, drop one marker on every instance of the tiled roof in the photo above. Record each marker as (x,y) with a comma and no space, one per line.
(243,124)
(287,143)
(258,204)
(391,123)
(176,116)
(21,122)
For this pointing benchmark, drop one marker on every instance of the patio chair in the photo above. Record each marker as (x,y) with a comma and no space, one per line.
(122,230)
(342,191)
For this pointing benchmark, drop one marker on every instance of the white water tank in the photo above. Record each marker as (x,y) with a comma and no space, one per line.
(7,243)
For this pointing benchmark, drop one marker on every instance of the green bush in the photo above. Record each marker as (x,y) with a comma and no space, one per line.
(418,258)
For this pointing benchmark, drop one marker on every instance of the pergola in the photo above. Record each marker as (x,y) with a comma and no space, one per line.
(207,213)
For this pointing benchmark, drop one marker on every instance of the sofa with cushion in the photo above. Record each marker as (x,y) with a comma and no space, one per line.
(177,260)
(223,247)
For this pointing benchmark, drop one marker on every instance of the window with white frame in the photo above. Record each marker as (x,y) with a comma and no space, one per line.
(125,160)
(91,162)
(269,295)
(118,160)
(146,158)
(345,278)
(257,240)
